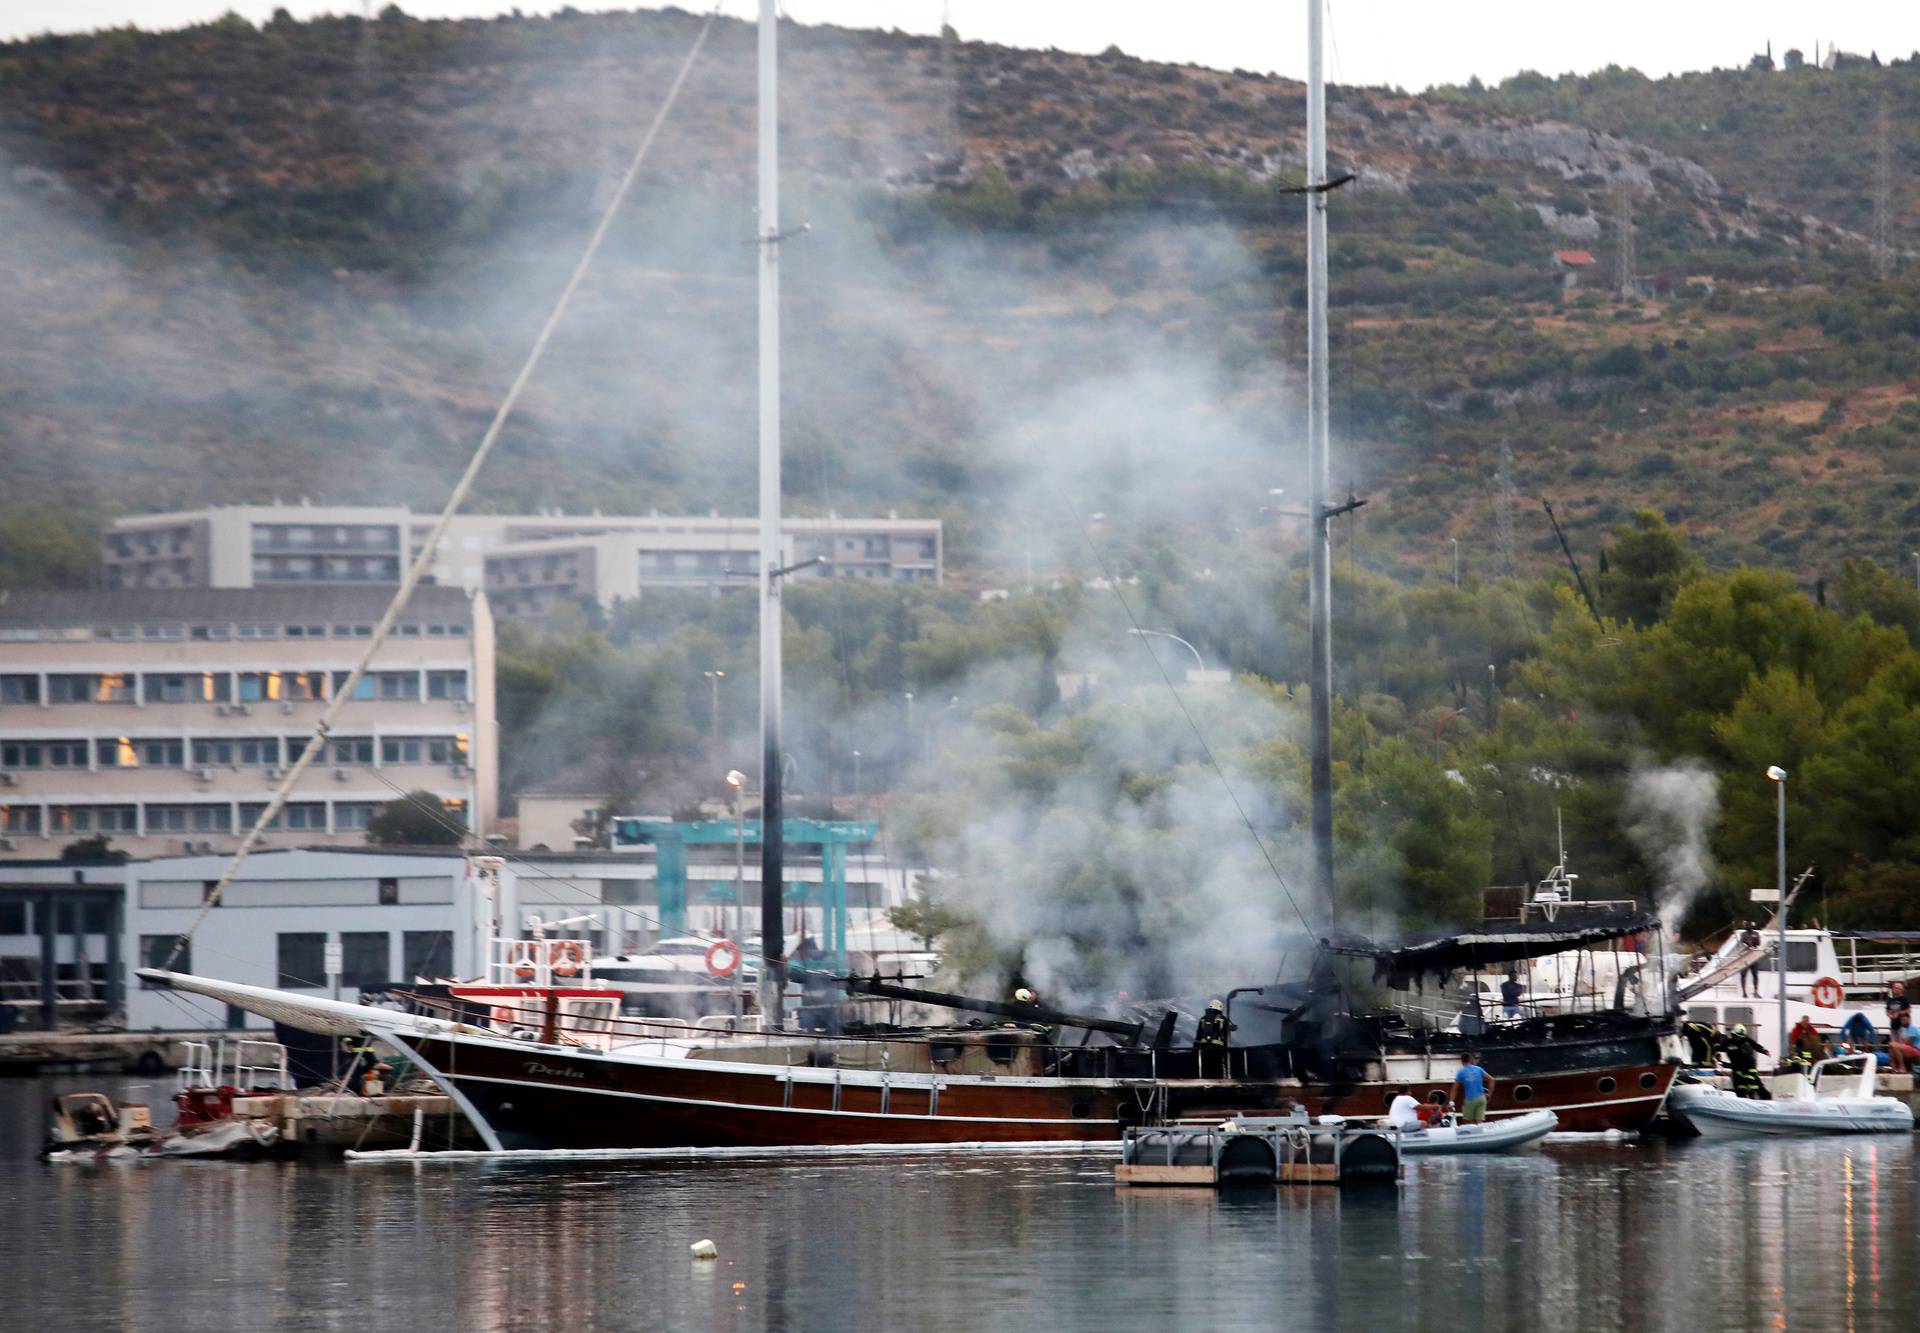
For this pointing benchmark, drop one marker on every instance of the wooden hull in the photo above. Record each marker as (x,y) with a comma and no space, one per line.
(536,1096)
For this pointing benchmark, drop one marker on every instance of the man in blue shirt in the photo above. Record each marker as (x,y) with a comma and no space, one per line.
(1471,1086)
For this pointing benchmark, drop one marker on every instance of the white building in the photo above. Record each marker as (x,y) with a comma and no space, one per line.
(164,718)
(527,561)
(395,916)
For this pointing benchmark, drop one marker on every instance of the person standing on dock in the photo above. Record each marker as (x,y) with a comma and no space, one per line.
(1473,1083)
(1699,1037)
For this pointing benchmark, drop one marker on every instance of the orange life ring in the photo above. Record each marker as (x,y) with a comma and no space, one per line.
(567,957)
(522,960)
(727,949)
(1826,993)
(504,1014)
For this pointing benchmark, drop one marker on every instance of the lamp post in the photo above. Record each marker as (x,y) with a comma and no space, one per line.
(714,678)
(1779,776)
(856,784)
(1456,562)
(1198,660)
(738,781)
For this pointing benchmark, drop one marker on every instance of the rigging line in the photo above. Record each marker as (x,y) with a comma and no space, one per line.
(1205,748)
(430,547)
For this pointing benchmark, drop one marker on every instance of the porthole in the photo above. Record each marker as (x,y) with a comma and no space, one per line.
(1648,1081)
(1081,1110)
(1607,1084)
(1523,1092)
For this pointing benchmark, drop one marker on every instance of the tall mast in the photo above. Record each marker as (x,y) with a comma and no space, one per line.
(772,850)
(1320,679)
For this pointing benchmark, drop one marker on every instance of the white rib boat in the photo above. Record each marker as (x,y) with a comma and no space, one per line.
(1839,1098)
(1502,1135)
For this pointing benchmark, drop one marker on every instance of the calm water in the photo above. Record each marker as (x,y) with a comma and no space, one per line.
(1650,1236)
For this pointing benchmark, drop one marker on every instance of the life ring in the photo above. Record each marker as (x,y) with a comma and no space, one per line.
(522,960)
(567,957)
(1826,993)
(723,958)
(504,1015)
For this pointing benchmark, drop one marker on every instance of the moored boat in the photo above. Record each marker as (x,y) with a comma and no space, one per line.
(1506,1135)
(1839,1097)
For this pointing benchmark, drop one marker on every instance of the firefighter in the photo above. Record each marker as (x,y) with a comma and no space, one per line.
(1210,1036)
(1699,1041)
(1741,1050)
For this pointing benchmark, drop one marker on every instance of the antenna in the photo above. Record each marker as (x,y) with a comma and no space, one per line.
(1624,276)
(1882,193)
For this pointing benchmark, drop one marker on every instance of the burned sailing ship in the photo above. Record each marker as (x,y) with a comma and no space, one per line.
(550,1065)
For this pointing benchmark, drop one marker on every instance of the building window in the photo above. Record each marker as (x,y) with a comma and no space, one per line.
(306,686)
(178,688)
(389,893)
(352,816)
(262,752)
(212,752)
(447,750)
(169,818)
(113,687)
(456,810)
(259,686)
(212,819)
(400,750)
(156,951)
(302,959)
(19,689)
(161,753)
(23,819)
(353,750)
(446,685)
(93,819)
(364,690)
(426,954)
(310,816)
(14,919)
(399,685)
(116,752)
(366,958)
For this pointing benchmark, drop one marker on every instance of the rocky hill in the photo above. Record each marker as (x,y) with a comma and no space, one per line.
(305,260)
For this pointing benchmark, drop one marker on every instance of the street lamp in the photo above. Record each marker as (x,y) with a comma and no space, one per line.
(714,678)
(1164,634)
(738,781)
(1779,778)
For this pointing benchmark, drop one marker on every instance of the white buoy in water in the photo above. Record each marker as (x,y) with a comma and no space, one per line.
(705,1249)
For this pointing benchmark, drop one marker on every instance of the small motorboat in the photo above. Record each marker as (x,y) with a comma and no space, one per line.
(1838,1097)
(1502,1135)
(87,1125)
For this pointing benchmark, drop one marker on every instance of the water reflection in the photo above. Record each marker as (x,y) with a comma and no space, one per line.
(1644,1236)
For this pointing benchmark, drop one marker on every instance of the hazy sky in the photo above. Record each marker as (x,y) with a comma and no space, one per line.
(1412,43)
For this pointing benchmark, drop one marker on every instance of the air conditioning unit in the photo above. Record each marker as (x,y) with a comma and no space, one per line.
(7,780)
(275,774)
(219,710)
(286,705)
(340,775)
(6,844)
(241,710)
(203,774)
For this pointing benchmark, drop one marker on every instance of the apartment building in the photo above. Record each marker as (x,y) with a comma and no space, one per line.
(528,563)
(163,718)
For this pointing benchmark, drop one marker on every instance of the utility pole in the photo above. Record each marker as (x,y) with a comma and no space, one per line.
(1319,476)
(1882,193)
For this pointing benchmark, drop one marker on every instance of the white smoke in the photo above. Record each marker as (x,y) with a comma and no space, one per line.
(1671,810)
